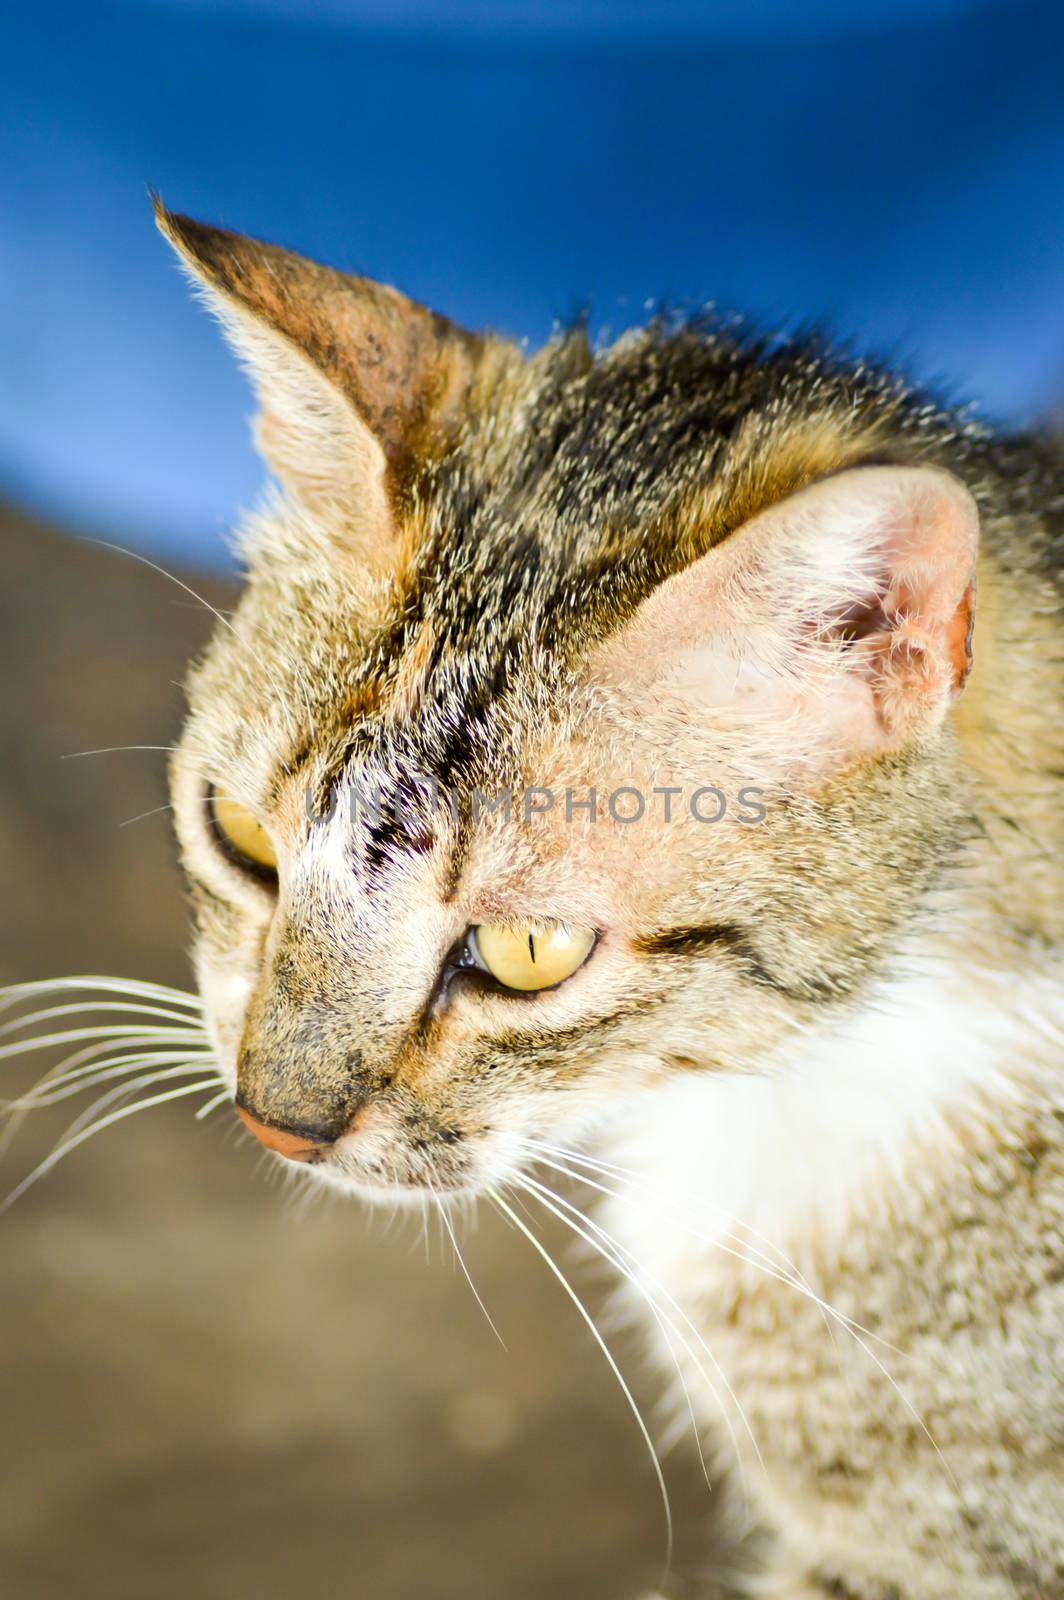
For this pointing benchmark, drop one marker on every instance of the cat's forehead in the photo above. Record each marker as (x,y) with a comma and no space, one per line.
(568,495)
(569,499)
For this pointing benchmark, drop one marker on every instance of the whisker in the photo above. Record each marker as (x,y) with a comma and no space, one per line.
(140,816)
(57,1155)
(122,1091)
(666,1329)
(13,1118)
(99,1072)
(660,1196)
(69,1076)
(73,1063)
(740,1254)
(265,666)
(542,1251)
(14,992)
(212,1105)
(625,1261)
(571,1159)
(853,1328)
(797,1281)
(104,1031)
(99,1005)
(636,1180)
(625,1255)
(115,1096)
(117,749)
(446,1221)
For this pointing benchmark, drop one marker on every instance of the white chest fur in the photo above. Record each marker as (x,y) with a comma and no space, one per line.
(831,1127)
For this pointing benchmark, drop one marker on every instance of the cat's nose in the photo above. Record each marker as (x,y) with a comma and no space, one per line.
(297,1145)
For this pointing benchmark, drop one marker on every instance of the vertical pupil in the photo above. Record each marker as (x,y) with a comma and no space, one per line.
(531,947)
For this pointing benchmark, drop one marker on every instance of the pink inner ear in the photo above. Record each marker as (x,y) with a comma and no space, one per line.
(879,560)
(959,638)
(917,637)
(932,595)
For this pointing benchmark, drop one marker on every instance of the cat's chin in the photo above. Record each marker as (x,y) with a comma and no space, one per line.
(394,1192)
(387,1183)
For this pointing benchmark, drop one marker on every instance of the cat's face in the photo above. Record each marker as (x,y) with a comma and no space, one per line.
(494,587)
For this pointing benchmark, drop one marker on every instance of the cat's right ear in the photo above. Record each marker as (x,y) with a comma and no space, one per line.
(357,383)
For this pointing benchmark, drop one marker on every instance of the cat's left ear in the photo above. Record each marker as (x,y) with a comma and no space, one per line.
(835,624)
(356,382)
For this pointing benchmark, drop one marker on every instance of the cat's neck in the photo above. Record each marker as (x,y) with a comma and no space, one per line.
(936,1061)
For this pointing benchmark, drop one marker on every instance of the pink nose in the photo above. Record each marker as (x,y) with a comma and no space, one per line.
(296,1146)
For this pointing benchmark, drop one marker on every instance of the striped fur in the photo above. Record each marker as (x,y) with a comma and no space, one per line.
(456,583)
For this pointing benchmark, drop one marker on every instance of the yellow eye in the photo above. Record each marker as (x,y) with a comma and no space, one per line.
(243,833)
(532,955)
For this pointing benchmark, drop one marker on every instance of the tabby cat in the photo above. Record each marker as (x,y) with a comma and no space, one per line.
(644,764)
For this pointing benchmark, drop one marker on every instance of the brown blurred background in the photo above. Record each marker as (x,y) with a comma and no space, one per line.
(207,1387)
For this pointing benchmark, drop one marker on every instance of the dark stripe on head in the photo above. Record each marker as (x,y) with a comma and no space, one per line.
(555,1047)
(725,935)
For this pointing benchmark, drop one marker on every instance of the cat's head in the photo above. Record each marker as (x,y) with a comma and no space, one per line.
(731,581)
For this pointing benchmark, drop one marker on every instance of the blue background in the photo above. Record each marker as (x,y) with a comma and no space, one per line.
(894,169)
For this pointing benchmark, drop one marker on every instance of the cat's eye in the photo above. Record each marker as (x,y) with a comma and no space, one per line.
(243,835)
(531,955)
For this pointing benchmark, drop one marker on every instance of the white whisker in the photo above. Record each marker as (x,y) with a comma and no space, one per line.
(138,1035)
(855,1329)
(738,1246)
(99,1072)
(141,815)
(99,1005)
(637,1181)
(635,1272)
(271,675)
(607,1252)
(212,1105)
(14,992)
(542,1251)
(88,1057)
(64,1149)
(441,1207)
(95,1056)
(121,1091)
(117,749)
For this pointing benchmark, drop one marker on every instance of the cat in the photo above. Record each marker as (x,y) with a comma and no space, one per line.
(803,1055)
